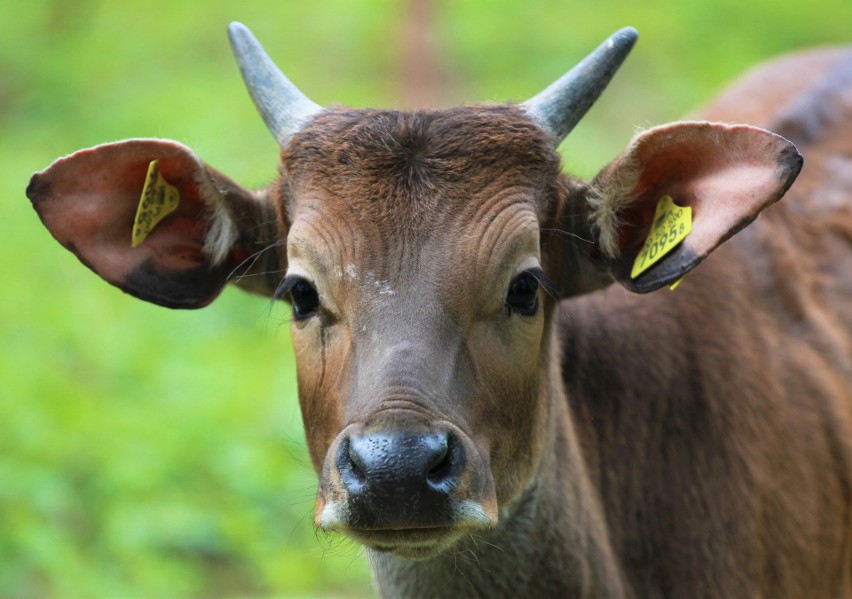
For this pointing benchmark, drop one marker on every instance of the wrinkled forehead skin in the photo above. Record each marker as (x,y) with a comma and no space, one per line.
(380,191)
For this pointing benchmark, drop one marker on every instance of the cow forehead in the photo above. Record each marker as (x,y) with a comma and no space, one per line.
(420,161)
(379,189)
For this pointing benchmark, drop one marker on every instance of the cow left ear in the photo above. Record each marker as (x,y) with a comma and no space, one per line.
(726,174)
(195,230)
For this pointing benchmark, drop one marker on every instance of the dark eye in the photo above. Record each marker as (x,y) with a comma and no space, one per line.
(523,294)
(304,297)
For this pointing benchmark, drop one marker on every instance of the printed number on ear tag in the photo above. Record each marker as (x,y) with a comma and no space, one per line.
(159,199)
(672,223)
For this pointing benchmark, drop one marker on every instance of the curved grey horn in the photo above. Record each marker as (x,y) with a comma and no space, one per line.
(283,107)
(561,106)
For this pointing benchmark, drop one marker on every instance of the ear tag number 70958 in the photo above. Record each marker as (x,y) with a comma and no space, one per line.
(672,223)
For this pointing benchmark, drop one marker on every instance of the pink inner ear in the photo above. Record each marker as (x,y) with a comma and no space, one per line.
(88,201)
(727,174)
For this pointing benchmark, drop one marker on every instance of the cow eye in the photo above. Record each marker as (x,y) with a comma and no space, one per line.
(305,300)
(523,294)
(303,296)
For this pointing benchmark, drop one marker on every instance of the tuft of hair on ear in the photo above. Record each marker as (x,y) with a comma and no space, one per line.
(222,232)
(608,195)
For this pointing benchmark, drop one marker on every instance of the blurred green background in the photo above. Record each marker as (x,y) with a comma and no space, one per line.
(153,453)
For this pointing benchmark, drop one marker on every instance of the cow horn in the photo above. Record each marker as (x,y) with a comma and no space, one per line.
(283,107)
(560,107)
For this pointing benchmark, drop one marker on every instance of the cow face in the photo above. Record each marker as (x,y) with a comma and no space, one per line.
(416,277)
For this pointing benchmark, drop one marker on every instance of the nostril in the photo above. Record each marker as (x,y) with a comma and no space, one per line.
(356,474)
(440,470)
(356,467)
(443,468)
(438,458)
(351,467)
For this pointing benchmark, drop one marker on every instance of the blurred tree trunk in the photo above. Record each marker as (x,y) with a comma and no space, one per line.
(422,73)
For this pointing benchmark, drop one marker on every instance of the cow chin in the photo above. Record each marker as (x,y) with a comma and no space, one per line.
(413,541)
(413,544)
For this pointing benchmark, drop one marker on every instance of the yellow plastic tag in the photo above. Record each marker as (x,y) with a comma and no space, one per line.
(672,223)
(674,285)
(159,199)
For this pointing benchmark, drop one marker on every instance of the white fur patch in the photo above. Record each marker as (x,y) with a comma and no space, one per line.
(332,516)
(470,513)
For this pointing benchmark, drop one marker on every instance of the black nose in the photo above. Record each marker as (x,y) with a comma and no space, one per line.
(399,480)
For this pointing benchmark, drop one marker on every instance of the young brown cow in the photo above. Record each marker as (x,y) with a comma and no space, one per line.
(478,436)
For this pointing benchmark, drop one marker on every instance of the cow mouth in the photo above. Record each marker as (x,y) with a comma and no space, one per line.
(416,543)
(414,540)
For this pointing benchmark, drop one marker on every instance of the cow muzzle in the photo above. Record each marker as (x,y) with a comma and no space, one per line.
(411,492)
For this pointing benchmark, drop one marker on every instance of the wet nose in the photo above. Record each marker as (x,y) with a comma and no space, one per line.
(399,479)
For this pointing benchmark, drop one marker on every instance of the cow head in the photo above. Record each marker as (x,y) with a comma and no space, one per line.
(422,254)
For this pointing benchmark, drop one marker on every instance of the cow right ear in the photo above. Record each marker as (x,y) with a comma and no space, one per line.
(182,256)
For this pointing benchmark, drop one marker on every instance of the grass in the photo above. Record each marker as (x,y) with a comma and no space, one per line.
(152,453)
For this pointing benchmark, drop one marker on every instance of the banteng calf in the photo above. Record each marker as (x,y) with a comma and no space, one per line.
(487,413)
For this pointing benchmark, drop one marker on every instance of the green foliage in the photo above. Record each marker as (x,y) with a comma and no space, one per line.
(152,453)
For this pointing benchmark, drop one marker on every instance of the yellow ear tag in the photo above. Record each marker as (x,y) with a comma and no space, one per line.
(159,199)
(672,223)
